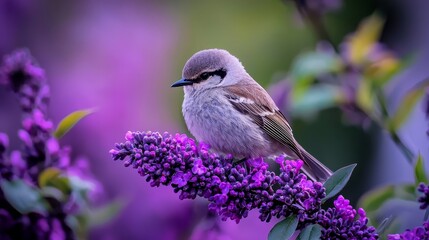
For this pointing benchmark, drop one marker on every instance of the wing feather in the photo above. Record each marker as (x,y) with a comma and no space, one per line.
(254,101)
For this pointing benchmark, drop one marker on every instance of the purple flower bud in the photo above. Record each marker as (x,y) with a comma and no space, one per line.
(43,225)
(424,198)
(4,142)
(258,176)
(17,161)
(256,162)
(57,232)
(40,121)
(52,146)
(129,136)
(199,168)
(339,222)
(421,232)
(25,137)
(181,179)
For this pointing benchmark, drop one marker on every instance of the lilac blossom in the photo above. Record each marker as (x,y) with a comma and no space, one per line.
(294,195)
(233,190)
(20,73)
(418,233)
(339,222)
(424,198)
(191,169)
(40,151)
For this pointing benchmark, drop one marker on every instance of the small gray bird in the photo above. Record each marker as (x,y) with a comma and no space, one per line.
(226,108)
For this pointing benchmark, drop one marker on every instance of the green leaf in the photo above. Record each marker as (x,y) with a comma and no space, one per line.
(419,171)
(102,215)
(313,64)
(52,192)
(337,181)
(316,99)
(365,96)
(362,41)
(51,177)
(311,232)
(80,184)
(79,226)
(284,229)
(80,188)
(394,225)
(88,218)
(384,225)
(62,183)
(69,121)
(383,71)
(407,106)
(23,197)
(310,65)
(48,175)
(373,200)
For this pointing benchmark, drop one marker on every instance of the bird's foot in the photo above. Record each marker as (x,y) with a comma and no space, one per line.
(239,161)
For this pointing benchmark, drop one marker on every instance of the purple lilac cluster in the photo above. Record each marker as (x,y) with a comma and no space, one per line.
(234,189)
(295,194)
(40,151)
(424,198)
(418,233)
(344,222)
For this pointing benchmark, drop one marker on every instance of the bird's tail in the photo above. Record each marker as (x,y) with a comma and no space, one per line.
(313,168)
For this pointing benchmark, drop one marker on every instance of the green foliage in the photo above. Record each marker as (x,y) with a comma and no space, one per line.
(373,201)
(48,175)
(54,184)
(315,99)
(69,121)
(51,177)
(338,180)
(284,229)
(309,66)
(101,215)
(23,197)
(311,232)
(361,42)
(419,171)
(407,105)
(384,225)
(89,218)
(365,96)
(313,64)
(53,192)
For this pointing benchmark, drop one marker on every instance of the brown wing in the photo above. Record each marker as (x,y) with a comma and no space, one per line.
(253,100)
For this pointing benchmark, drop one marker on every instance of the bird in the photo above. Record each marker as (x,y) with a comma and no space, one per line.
(225,107)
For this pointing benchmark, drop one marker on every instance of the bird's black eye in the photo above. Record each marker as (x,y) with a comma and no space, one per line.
(220,72)
(205,75)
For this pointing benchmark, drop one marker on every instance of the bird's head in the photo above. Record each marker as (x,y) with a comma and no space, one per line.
(209,69)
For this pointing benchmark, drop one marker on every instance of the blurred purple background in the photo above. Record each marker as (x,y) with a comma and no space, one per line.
(120,57)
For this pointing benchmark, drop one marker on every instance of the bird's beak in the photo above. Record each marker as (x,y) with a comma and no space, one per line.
(182,82)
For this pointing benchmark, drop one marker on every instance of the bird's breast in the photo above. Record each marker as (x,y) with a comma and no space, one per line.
(211,118)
